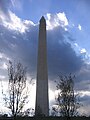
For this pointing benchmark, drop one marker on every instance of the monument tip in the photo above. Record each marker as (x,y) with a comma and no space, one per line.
(42,19)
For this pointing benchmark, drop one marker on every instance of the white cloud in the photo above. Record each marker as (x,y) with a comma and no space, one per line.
(16,23)
(76,44)
(2,77)
(1,55)
(63,18)
(79,27)
(4,56)
(73,25)
(32,95)
(56,20)
(84,93)
(83,50)
(51,95)
(3,61)
(86,55)
(5,66)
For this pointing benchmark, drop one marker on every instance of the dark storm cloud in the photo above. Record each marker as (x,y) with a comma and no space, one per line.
(82,80)
(71,38)
(18,46)
(85,99)
(61,56)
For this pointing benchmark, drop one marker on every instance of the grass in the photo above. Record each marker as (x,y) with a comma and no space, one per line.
(45,118)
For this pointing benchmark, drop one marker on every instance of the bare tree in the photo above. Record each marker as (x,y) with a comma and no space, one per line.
(16,86)
(67,102)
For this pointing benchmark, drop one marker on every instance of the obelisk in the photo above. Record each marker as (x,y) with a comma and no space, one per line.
(42,102)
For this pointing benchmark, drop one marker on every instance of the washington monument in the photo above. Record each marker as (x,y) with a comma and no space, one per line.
(42,102)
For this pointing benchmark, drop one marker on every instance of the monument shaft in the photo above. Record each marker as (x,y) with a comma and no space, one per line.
(42,103)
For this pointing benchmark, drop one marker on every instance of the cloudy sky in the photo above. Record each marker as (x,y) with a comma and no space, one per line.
(68,43)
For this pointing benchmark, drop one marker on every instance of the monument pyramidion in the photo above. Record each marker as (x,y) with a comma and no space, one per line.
(42,102)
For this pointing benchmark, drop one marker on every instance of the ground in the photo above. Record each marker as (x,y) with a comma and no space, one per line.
(46,118)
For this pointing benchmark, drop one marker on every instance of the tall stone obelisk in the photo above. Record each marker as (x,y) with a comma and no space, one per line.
(42,102)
